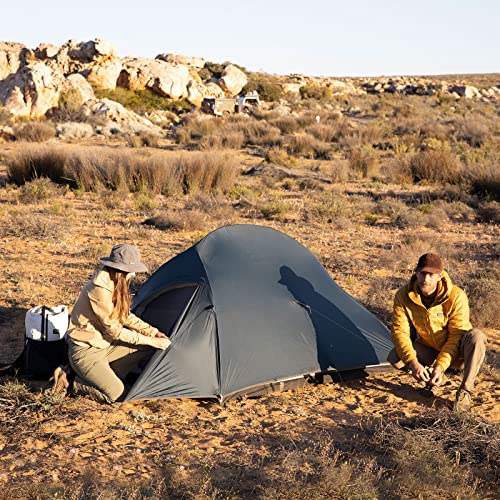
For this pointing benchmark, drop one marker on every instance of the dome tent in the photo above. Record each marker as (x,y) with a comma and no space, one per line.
(248,307)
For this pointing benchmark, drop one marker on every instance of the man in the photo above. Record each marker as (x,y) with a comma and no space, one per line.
(431,330)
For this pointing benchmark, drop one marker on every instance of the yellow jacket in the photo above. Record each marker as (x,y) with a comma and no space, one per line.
(440,327)
(91,322)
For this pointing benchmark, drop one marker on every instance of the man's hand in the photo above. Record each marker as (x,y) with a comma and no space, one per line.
(419,371)
(161,335)
(437,376)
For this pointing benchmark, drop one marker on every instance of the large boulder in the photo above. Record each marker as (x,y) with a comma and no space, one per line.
(105,75)
(197,62)
(232,80)
(32,91)
(36,88)
(12,57)
(467,91)
(79,83)
(169,80)
(195,92)
(118,117)
(213,90)
(93,50)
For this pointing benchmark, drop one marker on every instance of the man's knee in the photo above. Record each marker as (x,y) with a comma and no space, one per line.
(474,337)
(394,360)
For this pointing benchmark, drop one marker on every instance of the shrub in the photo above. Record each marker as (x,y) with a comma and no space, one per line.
(268,90)
(142,139)
(473,129)
(35,132)
(143,101)
(436,166)
(32,162)
(74,130)
(38,190)
(279,157)
(363,165)
(34,226)
(484,296)
(489,212)
(327,207)
(286,124)
(339,170)
(187,220)
(303,144)
(314,91)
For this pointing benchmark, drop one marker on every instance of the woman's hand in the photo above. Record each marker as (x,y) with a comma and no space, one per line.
(161,335)
(160,342)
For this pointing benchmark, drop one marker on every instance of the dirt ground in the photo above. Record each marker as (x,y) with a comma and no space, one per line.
(133,441)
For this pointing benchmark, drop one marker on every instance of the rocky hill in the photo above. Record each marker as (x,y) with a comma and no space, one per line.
(33,81)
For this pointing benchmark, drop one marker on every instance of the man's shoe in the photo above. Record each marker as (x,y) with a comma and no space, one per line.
(60,383)
(429,391)
(463,401)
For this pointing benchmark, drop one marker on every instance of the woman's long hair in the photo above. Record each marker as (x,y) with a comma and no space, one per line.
(121,294)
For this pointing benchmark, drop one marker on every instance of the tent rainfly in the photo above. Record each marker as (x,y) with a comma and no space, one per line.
(249,308)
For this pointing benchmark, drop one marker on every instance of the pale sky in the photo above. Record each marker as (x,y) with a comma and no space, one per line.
(312,37)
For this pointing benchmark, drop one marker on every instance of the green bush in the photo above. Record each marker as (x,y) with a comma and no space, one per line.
(143,101)
(314,91)
(268,90)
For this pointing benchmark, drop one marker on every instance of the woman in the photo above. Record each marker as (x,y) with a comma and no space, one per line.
(105,340)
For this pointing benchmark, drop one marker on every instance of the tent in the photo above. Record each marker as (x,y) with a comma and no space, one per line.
(249,308)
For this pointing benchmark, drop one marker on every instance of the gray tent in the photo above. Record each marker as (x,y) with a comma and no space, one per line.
(248,308)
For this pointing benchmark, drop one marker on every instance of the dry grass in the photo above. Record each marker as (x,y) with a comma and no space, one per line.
(93,169)
(35,132)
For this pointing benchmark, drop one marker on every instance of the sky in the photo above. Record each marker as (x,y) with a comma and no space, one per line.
(311,37)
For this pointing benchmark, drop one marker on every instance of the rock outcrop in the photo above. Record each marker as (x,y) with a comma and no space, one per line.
(232,80)
(12,57)
(118,117)
(196,62)
(31,81)
(169,80)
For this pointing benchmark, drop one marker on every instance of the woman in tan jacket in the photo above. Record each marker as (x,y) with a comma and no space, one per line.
(105,340)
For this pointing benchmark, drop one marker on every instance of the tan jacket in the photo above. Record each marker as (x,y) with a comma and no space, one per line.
(91,321)
(440,327)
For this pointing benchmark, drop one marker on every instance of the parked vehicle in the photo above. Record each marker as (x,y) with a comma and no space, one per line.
(223,105)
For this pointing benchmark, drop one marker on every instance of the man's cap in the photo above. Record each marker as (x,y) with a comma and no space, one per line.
(124,257)
(429,263)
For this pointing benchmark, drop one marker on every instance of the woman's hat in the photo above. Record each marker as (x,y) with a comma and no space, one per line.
(125,258)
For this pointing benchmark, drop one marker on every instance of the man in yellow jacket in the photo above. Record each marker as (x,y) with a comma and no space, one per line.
(431,330)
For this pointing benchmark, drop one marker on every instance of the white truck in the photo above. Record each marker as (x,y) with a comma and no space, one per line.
(220,106)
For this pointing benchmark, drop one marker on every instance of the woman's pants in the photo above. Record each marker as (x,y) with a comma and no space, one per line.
(100,371)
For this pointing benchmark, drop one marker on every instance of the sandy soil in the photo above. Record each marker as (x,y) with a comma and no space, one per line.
(135,439)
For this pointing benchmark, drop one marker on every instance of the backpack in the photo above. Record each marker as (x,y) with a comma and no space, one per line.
(45,346)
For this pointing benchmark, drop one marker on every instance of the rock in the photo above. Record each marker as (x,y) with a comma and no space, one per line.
(467,91)
(197,62)
(12,57)
(36,88)
(7,133)
(47,51)
(213,90)
(282,110)
(32,91)
(161,77)
(292,88)
(118,116)
(94,50)
(105,75)
(196,92)
(232,80)
(78,82)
